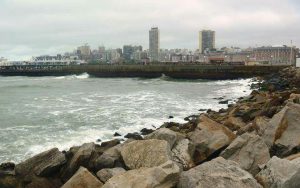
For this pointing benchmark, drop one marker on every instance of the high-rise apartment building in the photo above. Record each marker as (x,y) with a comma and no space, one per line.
(154,44)
(84,52)
(206,40)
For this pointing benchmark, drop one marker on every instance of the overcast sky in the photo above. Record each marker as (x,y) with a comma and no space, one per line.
(38,27)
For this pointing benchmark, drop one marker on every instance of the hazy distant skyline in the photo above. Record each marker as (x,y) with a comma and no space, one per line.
(37,27)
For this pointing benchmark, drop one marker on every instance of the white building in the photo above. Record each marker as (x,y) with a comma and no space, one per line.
(3,62)
(56,60)
(112,56)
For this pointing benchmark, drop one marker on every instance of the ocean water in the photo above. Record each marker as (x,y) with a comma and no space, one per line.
(39,113)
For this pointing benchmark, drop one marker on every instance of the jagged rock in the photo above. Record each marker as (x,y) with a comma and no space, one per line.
(110,143)
(163,134)
(83,179)
(117,134)
(260,124)
(282,133)
(107,173)
(249,151)
(7,169)
(163,176)
(280,173)
(80,158)
(43,164)
(109,159)
(135,136)
(145,153)
(224,102)
(218,173)
(182,153)
(209,137)
(146,131)
(295,98)
(249,128)
(234,123)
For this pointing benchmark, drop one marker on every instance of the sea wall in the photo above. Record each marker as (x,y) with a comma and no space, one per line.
(191,71)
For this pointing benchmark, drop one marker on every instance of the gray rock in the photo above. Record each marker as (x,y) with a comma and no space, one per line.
(163,134)
(145,153)
(218,173)
(280,173)
(163,176)
(282,133)
(107,173)
(80,158)
(183,153)
(109,159)
(261,124)
(43,164)
(249,151)
(83,179)
(209,137)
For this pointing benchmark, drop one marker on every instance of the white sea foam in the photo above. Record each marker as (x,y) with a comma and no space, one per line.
(71,112)
(80,76)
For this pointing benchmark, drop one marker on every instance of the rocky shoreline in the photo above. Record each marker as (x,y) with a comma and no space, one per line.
(253,143)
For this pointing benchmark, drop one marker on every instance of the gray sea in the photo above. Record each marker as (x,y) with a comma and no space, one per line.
(39,113)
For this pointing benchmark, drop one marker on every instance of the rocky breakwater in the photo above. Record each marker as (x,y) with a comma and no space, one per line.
(253,143)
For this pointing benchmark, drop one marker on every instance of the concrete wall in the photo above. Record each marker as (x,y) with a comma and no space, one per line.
(151,71)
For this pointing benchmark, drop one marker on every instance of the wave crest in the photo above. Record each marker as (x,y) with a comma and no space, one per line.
(80,76)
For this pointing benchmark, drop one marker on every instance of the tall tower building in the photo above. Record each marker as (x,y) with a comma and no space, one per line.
(206,40)
(154,44)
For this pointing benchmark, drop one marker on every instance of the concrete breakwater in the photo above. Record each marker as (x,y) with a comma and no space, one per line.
(191,71)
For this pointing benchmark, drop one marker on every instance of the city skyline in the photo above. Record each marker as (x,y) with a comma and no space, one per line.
(30,28)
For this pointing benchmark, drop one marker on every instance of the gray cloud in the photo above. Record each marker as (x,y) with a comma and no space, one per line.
(33,27)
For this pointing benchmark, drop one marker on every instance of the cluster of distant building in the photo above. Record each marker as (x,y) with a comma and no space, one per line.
(207,53)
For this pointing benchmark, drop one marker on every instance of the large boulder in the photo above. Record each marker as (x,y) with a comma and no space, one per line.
(107,173)
(281,173)
(209,137)
(282,133)
(218,173)
(183,153)
(80,158)
(44,164)
(109,159)
(145,153)
(234,123)
(163,134)
(83,179)
(163,176)
(249,151)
